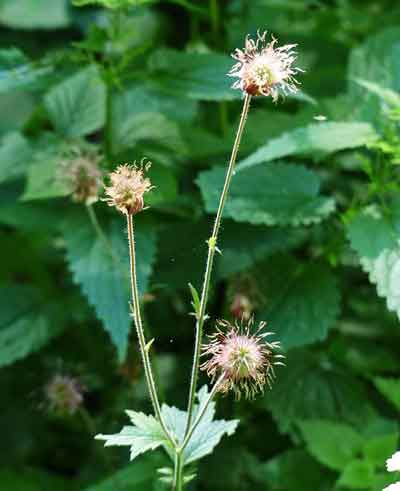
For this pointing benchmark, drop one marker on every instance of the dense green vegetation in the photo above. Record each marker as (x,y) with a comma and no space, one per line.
(310,242)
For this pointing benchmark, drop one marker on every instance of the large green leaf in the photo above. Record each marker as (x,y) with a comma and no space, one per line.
(333,444)
(390,388)
(311,387)
(112,4)
(25,325)
(77,105)
(294,470)
(100,264)
(18,72)
(357,474)
(200,76)
(375,237)
(34,14)
(277,194)
(15,155)
(302,300)
(243,245)
(314,139)
(376,61)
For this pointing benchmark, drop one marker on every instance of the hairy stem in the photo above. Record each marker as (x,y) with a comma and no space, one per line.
(144,348)
(212,247)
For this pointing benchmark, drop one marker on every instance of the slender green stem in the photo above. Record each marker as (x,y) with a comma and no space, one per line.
(212,247)
(202,411)
(214,14)
(144,347)
(177,484)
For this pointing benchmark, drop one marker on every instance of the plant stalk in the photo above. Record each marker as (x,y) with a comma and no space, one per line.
(177,484)
(144,348)
(212,247)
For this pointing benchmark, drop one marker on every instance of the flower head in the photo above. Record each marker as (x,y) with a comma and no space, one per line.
(264,69)
(81,174)
(128,186)
(393,487)
(244,358)
(64,394)
(393,464)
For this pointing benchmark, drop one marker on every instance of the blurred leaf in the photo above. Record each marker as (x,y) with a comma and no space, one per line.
(390,97)
(100,264)
(138,475)
(294,470)
(277,194)
(76,106)
(145,434)
(332,444)
(165,186)
(244,245)
(113,4)
(25,325)
(31,480)
(302,301)
(18,72)
(375,238)
(390,389)
(357,474)
(377,61)
(208,433)
(199,76)
(377,449)
(15,154)
(316,389)
(130,129)
(314,139)
(34,14)
(147,98)
(44,179)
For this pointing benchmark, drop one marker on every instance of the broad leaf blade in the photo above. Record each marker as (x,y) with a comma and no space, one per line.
(77,105)
(277,194)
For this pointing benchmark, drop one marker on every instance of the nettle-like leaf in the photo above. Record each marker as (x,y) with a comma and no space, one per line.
(317,390)
(101,266)
(112,4)
(390,388)
(76,106)
(302,300)
(25,325)
(333,444)
(277,194)
(208,433)
(314,139)
(146,434)
(17,72)
(15,154)
(34,14)
(375,238)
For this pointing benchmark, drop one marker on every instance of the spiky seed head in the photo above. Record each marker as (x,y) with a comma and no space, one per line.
(244,356)
(264,69)
(81,174)
(128,186)
(64,394)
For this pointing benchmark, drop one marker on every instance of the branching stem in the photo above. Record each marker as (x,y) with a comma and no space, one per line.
(212,247)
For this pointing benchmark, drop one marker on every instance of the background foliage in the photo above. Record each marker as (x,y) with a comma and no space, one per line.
(311,236)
